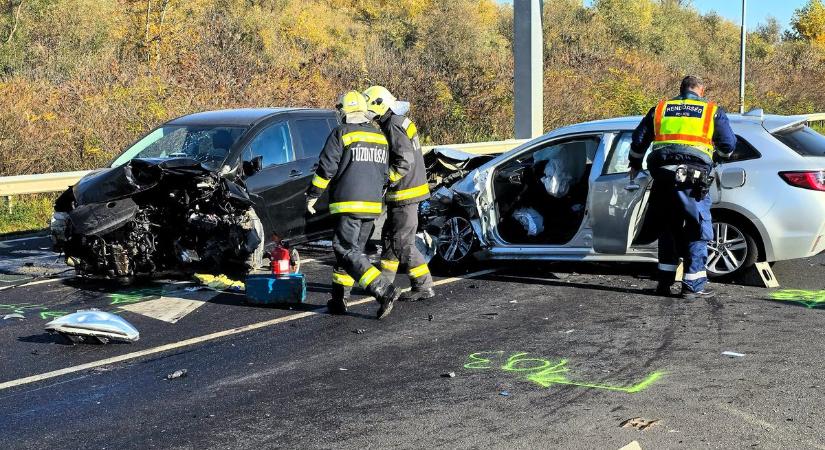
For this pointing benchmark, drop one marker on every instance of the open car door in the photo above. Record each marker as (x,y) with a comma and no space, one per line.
(617,204)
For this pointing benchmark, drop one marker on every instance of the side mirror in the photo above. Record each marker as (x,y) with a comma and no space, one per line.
(254,166)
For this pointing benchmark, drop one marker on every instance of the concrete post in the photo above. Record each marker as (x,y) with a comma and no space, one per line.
(528,78)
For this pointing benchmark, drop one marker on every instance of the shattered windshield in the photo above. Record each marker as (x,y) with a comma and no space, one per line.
(207,144)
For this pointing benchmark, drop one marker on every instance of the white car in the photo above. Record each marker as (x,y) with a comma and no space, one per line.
(567,196)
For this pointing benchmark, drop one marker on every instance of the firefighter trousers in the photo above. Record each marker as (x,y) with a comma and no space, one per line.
(398,241)
(684,223)
(351,264)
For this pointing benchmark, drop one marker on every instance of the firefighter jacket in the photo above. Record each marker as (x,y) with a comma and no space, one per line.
(354,164)
(686,124)
(408,176)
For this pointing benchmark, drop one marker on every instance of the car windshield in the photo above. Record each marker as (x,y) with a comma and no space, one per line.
(207,144)
(803,139)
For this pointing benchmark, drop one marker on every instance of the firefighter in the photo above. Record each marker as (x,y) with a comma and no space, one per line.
(354,164)
(684,132)
(408,187)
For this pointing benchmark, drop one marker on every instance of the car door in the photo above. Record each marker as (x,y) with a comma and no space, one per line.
(280,183)
(311,133)
(617,204)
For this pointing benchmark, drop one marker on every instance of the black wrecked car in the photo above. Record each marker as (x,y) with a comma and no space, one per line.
(205,192)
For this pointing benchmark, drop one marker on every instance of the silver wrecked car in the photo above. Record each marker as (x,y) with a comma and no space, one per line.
(567,196)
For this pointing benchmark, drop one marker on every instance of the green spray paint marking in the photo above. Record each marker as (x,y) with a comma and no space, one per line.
(134,296)
(546,373)
(46,315)
(810,299)
(24,308)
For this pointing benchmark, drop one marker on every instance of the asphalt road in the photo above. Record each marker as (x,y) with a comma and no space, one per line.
(544,356)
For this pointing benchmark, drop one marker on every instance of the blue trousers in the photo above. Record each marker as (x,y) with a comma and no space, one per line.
(684,224)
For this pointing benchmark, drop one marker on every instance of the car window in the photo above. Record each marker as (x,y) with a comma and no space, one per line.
(619,160)
(207,144)
(312,133)
(273,143)
(743,152)
(803,140)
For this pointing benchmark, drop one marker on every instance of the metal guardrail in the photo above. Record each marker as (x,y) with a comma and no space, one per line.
(37,184)
(58,181)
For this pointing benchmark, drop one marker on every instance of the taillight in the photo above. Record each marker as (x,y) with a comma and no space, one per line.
(814,180)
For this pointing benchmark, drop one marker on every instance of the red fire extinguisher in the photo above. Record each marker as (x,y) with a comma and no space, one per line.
(280,260)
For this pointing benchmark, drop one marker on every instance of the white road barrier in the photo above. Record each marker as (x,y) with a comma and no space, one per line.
(58,181)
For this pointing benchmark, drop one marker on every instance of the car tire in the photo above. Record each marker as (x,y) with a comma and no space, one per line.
(733,249)
(455,245)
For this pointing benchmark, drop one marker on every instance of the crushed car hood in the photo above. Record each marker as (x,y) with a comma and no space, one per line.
(153,216)
(136,176)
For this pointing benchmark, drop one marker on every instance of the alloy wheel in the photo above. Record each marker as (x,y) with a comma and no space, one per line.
(456,239)
(728,250)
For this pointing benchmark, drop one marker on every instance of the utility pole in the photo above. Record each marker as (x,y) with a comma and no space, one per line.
(742,49)
(528,79)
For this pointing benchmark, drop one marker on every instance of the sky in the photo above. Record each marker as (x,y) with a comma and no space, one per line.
(758,10)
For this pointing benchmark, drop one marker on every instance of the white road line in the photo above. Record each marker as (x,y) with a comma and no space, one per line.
(201,339)
(34,283)
(11,241)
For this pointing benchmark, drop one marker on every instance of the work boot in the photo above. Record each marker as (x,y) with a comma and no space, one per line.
(387,301)
(417,294)
(703,294)
(337,306)
(665,290)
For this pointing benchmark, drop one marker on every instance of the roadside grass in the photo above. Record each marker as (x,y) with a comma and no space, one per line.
(27,213)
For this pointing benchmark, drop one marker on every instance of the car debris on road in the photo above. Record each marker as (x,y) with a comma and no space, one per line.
(93,326)
(177,374)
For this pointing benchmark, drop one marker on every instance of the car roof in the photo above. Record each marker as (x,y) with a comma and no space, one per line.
(770,122)
(244,117)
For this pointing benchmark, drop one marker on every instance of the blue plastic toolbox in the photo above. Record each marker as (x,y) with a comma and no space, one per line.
(274,289)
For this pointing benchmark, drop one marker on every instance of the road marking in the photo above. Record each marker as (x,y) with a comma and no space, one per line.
(33,283)
(172,308)
(201,339)
(11,241)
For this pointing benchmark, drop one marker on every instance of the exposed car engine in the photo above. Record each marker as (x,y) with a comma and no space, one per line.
(152,217)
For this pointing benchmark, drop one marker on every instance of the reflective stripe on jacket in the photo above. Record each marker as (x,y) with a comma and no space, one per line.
(685,122)
(408,176)
(354,164)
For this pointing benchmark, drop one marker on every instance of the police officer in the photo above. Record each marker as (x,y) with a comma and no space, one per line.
(354,165)
(684,132)
(408,188)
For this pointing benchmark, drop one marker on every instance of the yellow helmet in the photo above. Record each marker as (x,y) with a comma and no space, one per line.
(379,100)
(352,102)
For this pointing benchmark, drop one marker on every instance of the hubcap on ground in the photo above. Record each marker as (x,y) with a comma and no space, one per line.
(455,239)
(728,249)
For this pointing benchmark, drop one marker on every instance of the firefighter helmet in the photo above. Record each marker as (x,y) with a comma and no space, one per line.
(379,100)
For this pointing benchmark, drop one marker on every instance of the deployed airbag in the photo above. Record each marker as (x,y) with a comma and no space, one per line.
(566,164)
(530,219)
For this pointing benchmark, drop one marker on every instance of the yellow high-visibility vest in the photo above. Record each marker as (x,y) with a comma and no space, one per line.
(685,122)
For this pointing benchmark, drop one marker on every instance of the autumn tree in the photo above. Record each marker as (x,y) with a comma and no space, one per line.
(809,21)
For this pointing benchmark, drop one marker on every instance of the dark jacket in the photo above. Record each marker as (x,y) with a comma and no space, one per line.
(724,140)
(408,176)
(354,163)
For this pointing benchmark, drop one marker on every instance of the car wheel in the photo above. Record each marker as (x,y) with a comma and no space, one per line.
(456,243)
(732,250)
